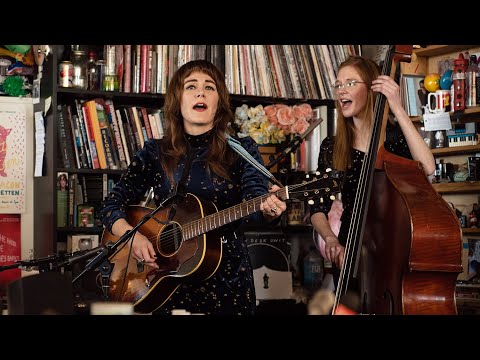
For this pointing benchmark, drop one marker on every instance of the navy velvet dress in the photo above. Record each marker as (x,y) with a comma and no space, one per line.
(230,290)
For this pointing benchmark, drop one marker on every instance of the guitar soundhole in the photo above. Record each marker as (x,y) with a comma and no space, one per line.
(170,239)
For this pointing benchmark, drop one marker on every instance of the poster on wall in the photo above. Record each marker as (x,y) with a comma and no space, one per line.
(10,249)
(12,160)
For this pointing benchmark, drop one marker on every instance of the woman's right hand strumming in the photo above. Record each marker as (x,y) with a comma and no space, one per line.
(142,248)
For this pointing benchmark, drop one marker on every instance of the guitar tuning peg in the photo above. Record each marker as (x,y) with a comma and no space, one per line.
(321,200)
(328,170)
(310,202)
(332,197)
(317,172)
(307,176)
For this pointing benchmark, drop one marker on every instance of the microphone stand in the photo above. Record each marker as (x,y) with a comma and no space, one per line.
(43,264)
(294,144)
(102,253)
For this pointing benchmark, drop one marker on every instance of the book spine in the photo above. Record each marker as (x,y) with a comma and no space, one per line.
(62,140)
(143,68)
(91,137)
(72,131)
(138,126)
(148,127)
(127,75)
(97,134)
(83,132)
(121,129)
(112,117)
(71,198)
(119,65)
(106,140)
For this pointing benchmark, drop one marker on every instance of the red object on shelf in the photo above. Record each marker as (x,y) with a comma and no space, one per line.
(458,93)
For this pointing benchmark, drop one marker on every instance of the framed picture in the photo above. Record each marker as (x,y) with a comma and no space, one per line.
(414,94)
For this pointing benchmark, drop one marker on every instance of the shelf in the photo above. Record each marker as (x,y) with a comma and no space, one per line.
(92,171)
(456,150)
(460,116)
(471,231)
(233,97)
(108,94)
(457,187)
(434,50)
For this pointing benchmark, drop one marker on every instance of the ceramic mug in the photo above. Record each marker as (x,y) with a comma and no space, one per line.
(438,101)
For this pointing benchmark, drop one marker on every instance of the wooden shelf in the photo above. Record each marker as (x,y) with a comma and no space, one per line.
(471,231)
(108,94)
(460,116)
(251,99)
(92,171)
(456,150)
(434,50)
(457,187)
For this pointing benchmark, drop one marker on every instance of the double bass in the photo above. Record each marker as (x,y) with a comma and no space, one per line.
(404,241)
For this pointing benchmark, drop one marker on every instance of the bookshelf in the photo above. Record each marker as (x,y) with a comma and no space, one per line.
(48,233)
(462,195)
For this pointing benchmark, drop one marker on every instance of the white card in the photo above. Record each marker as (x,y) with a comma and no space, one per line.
(437,121)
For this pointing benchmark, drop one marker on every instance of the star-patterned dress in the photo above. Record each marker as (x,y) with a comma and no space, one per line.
(230,290)
(395,142)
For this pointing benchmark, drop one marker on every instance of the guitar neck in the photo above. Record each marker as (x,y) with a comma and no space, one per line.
(226,216)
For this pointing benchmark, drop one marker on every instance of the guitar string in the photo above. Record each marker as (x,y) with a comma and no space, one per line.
(195,227)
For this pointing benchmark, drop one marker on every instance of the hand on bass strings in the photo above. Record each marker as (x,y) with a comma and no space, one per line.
(388,87)
(273,207)
(334,251)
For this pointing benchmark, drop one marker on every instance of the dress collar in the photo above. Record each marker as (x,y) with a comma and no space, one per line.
(201,140)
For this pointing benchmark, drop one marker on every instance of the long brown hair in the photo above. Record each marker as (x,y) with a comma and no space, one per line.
(344,137)
(174,145)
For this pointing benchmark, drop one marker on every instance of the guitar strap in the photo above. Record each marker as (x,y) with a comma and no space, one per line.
(180,188)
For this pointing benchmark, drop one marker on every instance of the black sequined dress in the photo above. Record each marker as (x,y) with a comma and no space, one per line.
(394,142)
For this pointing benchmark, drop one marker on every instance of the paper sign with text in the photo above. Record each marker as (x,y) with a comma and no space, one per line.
(438,121)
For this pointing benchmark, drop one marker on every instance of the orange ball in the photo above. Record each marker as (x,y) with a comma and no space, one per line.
(432,82)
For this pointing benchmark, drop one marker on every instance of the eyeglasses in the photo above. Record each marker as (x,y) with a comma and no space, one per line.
(349,83)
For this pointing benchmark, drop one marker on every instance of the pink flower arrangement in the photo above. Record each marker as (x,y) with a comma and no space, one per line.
(291,119)
(271,124)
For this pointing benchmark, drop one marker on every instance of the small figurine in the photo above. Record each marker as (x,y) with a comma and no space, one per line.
(472,219)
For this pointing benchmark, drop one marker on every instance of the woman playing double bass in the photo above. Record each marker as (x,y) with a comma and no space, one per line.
(358,84)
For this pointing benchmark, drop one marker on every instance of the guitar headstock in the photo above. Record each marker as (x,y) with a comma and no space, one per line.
(317,186)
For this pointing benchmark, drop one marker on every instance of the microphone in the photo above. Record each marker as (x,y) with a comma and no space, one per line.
(293,145)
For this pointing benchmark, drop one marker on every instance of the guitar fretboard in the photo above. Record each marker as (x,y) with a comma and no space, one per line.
(223,217)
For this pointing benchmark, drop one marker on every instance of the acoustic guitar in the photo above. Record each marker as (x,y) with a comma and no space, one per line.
(184,250)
